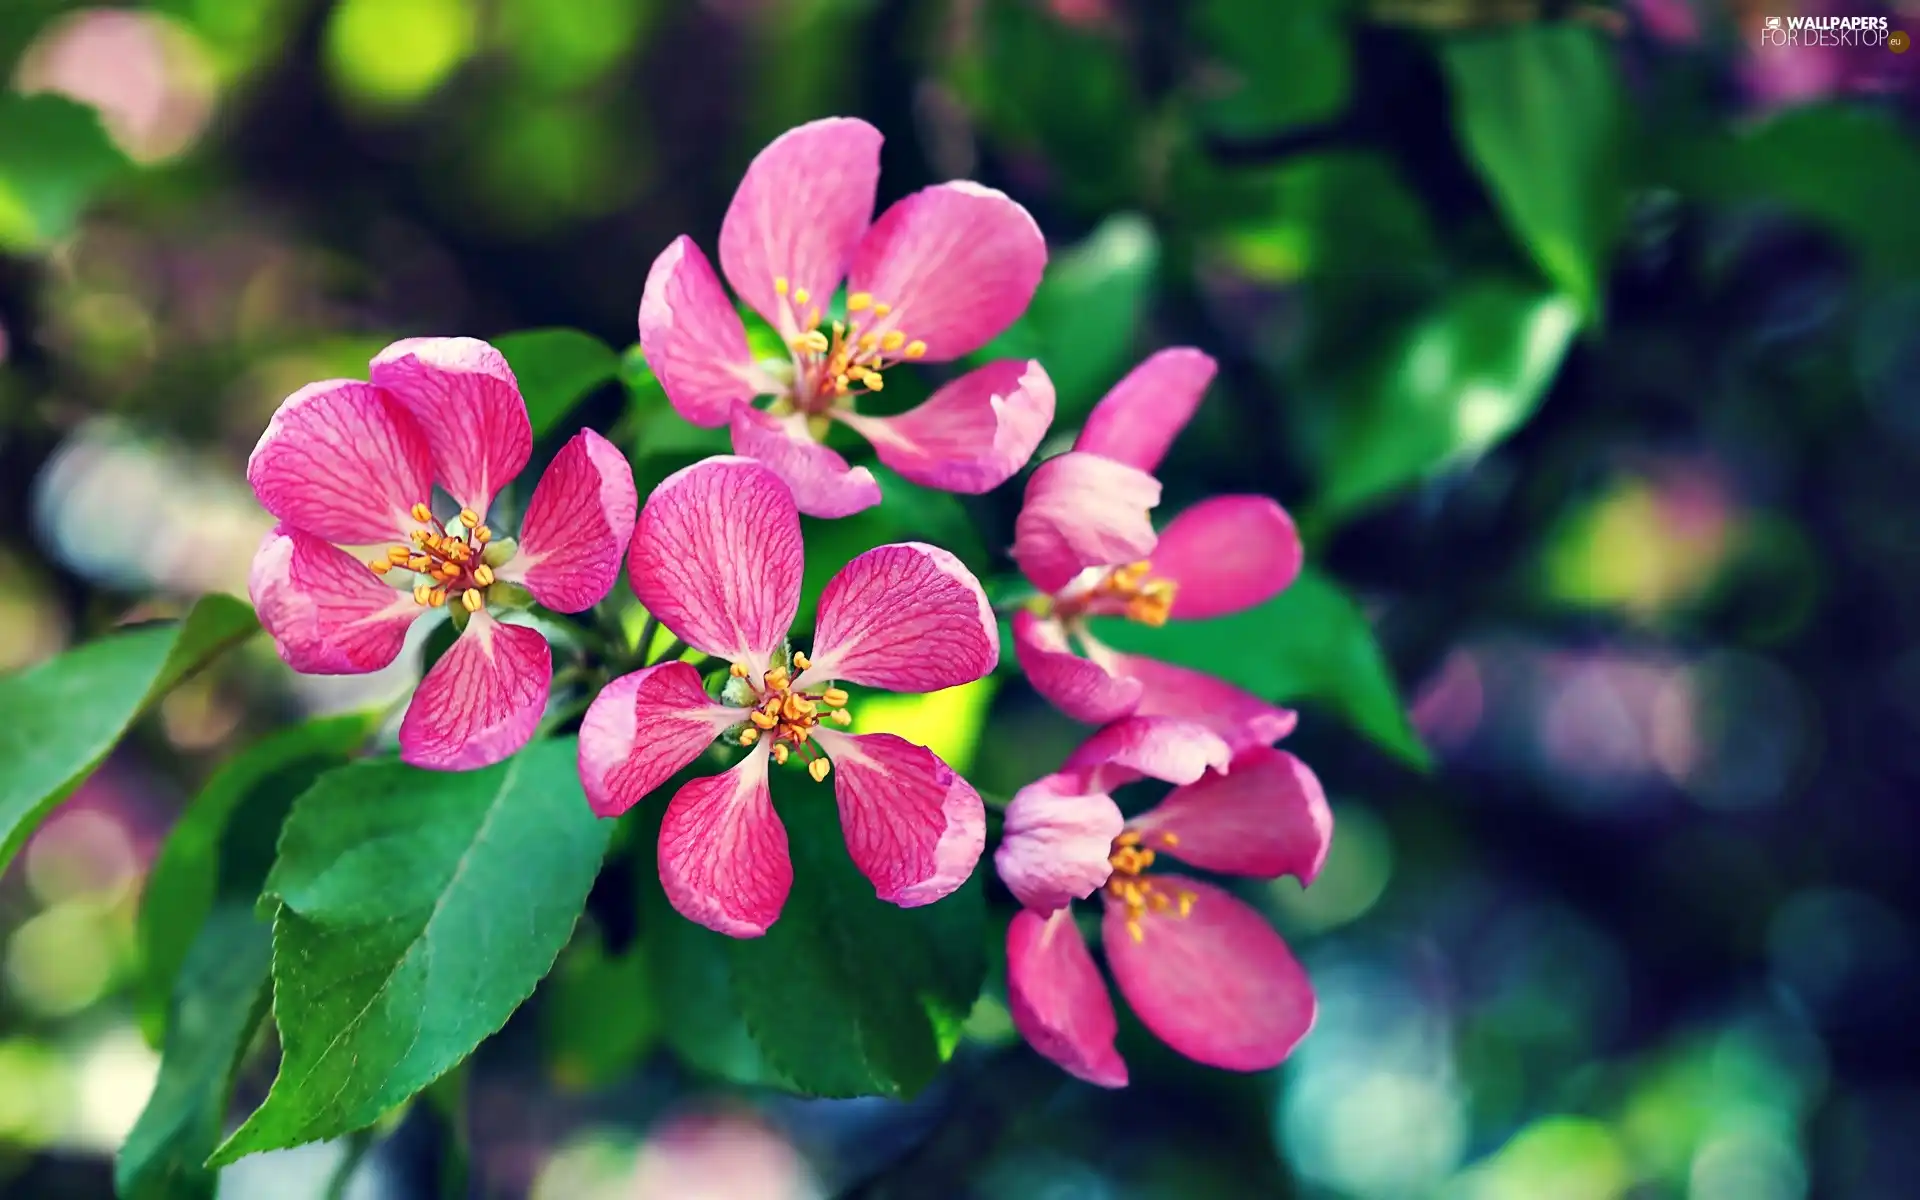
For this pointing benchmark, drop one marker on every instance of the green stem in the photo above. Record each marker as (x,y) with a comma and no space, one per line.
(358,1143)
(648,631)
(674,650)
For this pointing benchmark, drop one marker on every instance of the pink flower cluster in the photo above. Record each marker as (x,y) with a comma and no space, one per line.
(362,549)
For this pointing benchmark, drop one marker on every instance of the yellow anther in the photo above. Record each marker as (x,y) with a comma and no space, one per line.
(777,679)
(483,575)
(423,594)
(1169,839)
(781,753)
(763,720)
(859,300)
(818,768)
(869,342)
(840,717)
(872,379)
(738,670)
(398,555)
(881,310)
(380,566)
(840,382)
(800,661)
(812,340)
(916,348)
(472,600)
(451,571)
(780,284)
(419,562)
(1128,837)
(1186,903)
(437,597)
(421,512)
(1136,932)
(420,537)
(893,341)
(749,736)
(796,709)
(801,295)
(469,518)
(482,536)
(835,697)
(813,319)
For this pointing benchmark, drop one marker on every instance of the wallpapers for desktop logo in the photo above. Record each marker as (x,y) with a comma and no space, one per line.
(1831,31)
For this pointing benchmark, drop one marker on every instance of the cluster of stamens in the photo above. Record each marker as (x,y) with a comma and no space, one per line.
(788,717)
(447,563)
(849,362)
(1129,590)
(1129,860)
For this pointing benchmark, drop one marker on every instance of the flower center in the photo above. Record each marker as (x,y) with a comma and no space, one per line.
(1127,591)
(787,717)
(829,370)
(1129,885)
(445,561)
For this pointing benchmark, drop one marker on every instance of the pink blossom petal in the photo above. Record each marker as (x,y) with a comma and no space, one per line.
(822,482)
(1266,817)
(1078,687)
(1083,511)
(642,728)
(342,461)
(326,612)
(464,396)
(723,851)
(913,825)
(716,556)
(1055,843)
(1057,999)
(907,617)
(1226,554)
(798,214)
(958,262)
(577,526)
(1218,985)
(1240,717)
(972,435)
(693,339)
(1170,749)
(1136,422)
(481,701)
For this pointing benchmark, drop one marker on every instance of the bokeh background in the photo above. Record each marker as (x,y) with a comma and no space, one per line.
(1583,341)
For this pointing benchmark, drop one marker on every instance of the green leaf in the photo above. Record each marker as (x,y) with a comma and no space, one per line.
(1289,63)
(418,909)
(54,156)
(1447,386)
(59,720)
(556,368)
(220,1000)
(1083,321)
(1311,642)
(1539,110)
(195,865)
(600,1014)
(848,995)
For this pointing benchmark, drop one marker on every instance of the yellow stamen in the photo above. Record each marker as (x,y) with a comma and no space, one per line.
(840,717)
(812,340)
(749,736)
(777,679)
(482,536)
(472,600)
(419,563)
(483,575)
(380,566)
(872,379)
(738,670)
(893,341)
(438,597)
(916,348)
(859,300)
(423,594)
(398,555)
(800,661)
(780,284)
(781,753)
(869,342)
(762,720)
(1139,935)
(801,295)
(420,537)
(422,513)
(796,709)
(818,768)
(881,310)
(469,518)
(835,697)
(1170,839)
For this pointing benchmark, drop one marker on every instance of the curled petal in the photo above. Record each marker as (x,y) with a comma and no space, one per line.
(1226,554)
(1170,749)
(343,461)
(797,215)
(1055,843)
(723,851)
(1083,511)
(1078,687)
(972,435)
(578,525)
(641,729)
(907,617)
(1240,717)
(1057,999)
(716,556)
(481,701)
(327,614)
(822,482)
(1136,422)
(1266,817)
(913,825)
(958,262)
(1218,985)
(693,339)
(465,398)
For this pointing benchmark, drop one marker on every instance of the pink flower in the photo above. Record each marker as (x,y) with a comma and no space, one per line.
(1085,539)
(716,556)
(345,463)
(1202,970)
(935,278)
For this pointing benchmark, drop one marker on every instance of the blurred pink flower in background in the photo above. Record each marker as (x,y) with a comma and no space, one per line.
(148,76)
(720,1156)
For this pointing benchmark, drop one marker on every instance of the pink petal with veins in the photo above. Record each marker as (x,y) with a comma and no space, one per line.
(1266,817)
(1226,554)
(1078,687)
(723,851)
(907,617)
(913,826)
(1083,511)
(481,701)
(326,612)
(972,435)
(822,482)
(344,462)
(641,729)
(1136,422)
(1057,999)
(693,339)
(1055,843)
(578,524)
(466,400)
